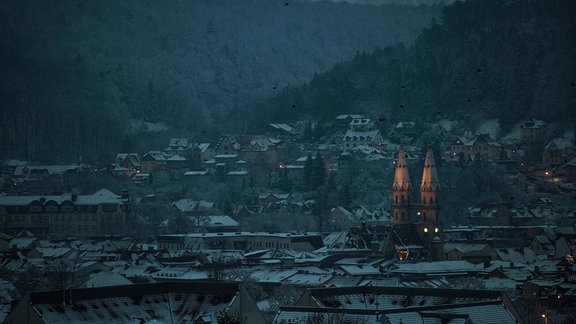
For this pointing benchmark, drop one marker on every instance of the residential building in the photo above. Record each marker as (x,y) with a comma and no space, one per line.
(533,131)
(366,304)
(103,212)
(165,302)
(558,151)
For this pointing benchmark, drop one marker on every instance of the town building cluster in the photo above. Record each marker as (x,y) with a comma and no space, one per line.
(398,262)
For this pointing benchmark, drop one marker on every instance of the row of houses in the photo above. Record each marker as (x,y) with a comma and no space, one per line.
(331,279)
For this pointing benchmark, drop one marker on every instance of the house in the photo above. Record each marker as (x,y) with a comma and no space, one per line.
(126,164)
(267,199)
(260,150)
(343,121)
(154,161)
(483,147)
(541,245)
(571,170)
(533,131)
(341,217)
(246,212)
(179,146)
(178,302)
(216,223)
(191,207)
(241,241)
(227,145)
(43,179)
(206,150)
(375,304)
(354,138)
(565,246)
(473,252)
(66,214)
(558,151)
(281,130)
(361,124)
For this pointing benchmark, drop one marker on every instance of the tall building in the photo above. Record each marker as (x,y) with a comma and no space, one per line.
(103,212)
(429,206)
(401,191)
(416,237)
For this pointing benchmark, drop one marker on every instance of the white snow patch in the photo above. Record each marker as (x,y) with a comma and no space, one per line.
(140,126)
(569,135)
(447,125)
(264,305)
(491,126)
(513,136)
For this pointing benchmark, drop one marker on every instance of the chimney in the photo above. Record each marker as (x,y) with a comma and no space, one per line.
(74,194)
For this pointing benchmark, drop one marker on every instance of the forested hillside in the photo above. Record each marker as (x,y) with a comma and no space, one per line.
(510,60)
(74,73)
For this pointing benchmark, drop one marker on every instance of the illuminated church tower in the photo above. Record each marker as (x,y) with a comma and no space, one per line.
(429,207)
(401,191)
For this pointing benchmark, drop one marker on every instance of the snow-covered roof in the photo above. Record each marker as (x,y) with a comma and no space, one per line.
(189,205)
(285,127)
(352,135)
(344,116)
(102,196)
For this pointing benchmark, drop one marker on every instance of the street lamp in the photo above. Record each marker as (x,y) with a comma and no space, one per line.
(545,318)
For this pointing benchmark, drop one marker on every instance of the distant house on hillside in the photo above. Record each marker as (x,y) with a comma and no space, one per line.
(126,164)
(484,146)
(361,124)
(343,121)
(558,151)
(353,139)
(533,131)
(254,149)
(154,161)
(281,130)
(179,146)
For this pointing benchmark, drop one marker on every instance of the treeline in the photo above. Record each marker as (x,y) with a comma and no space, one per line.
(510,60)
(73,73)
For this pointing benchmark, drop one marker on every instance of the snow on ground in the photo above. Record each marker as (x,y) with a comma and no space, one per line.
(513,136)
(569,135)
(491,126)
(448,125)
(137,126)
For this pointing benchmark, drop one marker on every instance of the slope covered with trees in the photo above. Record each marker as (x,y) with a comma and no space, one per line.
(72,73)
(510,60)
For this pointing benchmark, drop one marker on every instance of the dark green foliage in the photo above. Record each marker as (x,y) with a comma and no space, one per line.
(345,196)
(314,172)
(511,60)
(74,74)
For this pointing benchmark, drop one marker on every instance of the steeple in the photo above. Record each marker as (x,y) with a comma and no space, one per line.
(429,175)
(401,176)
(429,207)
(401,190)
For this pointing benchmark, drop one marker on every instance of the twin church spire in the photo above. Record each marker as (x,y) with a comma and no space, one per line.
(402,190)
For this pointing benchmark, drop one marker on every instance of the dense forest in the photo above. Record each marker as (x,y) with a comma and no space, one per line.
(79,78)
(510,60)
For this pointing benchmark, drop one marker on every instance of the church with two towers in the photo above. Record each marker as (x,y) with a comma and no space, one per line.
(422,217)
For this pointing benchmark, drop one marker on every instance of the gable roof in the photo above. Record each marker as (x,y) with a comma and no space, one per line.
(158,302)
(102,196)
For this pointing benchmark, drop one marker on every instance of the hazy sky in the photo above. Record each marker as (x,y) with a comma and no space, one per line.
(381,2)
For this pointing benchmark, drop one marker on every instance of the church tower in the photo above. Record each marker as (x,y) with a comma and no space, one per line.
(401,191)
(429,207)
